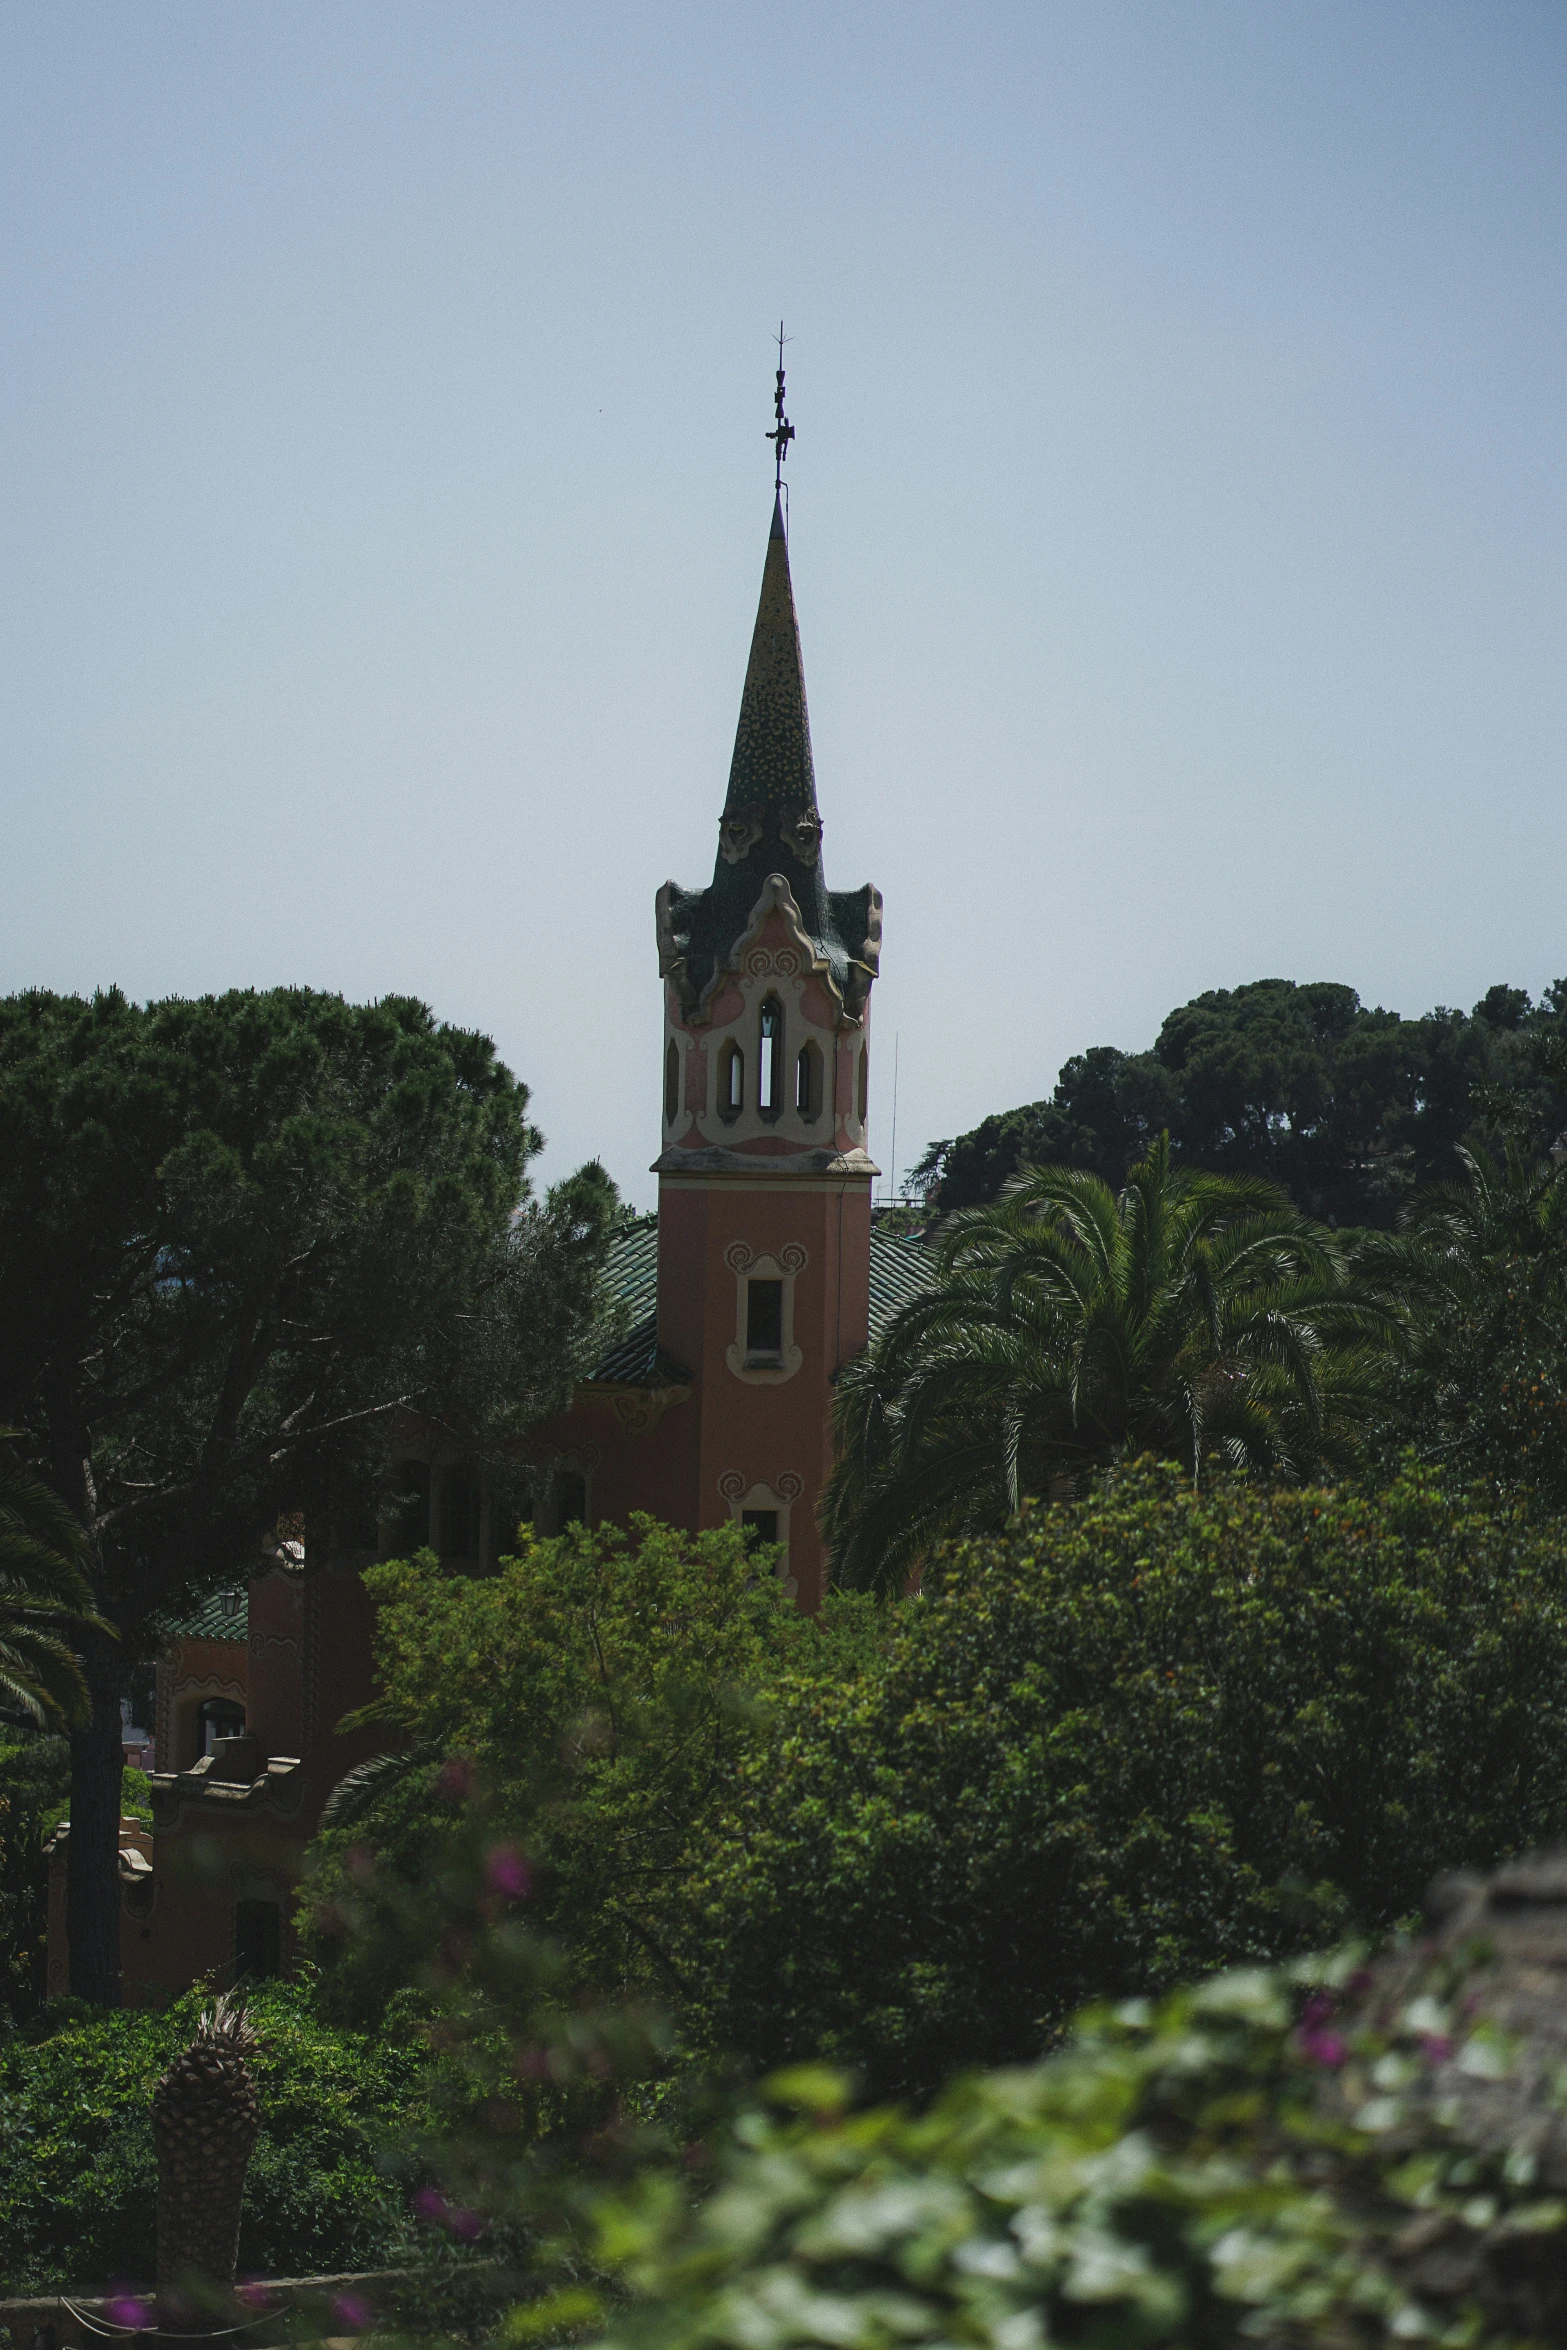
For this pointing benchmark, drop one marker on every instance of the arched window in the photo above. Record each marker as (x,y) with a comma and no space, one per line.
(769,1073)
(808,1080)
(865,1080)
(731,1081)
(671,1083)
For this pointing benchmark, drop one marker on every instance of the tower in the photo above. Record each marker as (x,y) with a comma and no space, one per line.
(764,1218)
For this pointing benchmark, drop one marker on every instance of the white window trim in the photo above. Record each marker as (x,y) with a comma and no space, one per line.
(760,1495)
(790,1261)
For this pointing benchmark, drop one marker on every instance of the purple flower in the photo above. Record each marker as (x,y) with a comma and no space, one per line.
(467,2225)
(1435,2047)
(354,2311)
(126,2310)
(432,2205)
(507,1872)
(1325,2048)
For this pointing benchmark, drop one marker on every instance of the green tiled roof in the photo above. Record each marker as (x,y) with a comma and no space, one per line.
(631,1277)
(900,1271)
(210,1621)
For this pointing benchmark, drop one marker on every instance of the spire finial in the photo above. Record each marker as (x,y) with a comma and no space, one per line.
(783,431)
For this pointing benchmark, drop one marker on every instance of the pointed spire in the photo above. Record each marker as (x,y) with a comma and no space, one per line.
(772,771)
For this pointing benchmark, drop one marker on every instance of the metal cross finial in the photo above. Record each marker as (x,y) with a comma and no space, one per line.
(783,431)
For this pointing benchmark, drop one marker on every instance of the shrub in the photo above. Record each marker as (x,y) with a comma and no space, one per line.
(78,2176)
(593,1698)
(1136,1737)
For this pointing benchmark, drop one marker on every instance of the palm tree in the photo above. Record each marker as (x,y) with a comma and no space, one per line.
(1481,1265)
(1189,1315)
(43,1591)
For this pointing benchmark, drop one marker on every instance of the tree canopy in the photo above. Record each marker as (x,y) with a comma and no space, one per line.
(238,1236)
(1351,1108)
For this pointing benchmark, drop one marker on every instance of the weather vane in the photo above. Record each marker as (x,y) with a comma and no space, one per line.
(783,431)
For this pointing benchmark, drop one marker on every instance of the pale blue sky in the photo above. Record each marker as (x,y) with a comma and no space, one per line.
(1178,506)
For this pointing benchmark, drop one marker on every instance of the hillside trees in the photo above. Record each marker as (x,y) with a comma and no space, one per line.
(238,1236)
(1351,1108)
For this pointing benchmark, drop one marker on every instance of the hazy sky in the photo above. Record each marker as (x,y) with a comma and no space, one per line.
(1178,506)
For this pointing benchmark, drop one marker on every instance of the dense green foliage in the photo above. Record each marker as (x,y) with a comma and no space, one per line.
(1196,1316)
(78,2181)
(1135,1737)
(1350,1109)
(237,1236)
(35,1772)
(1226,2169)
(592,1701)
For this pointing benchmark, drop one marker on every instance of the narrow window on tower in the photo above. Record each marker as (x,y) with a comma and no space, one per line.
(769,1075)
(865,1080)
(731,1081)
(808,1081)
(671,1083)
(764,1321)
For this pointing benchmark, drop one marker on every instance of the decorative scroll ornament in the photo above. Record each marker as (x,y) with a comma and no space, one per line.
(639,1409)
(739,1256)
(736,1488)
(772,963)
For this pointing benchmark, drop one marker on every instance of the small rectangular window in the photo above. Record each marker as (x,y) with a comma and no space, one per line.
(764,1317)
(760,1525)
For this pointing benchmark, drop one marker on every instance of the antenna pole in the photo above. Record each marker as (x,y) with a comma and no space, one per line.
(897,1042)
